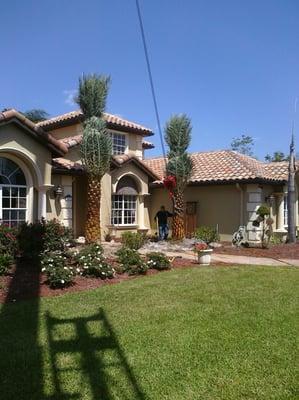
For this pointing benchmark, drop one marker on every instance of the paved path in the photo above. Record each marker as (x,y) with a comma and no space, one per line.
(233,259)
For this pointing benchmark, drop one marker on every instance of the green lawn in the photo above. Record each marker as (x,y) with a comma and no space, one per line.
(198,333)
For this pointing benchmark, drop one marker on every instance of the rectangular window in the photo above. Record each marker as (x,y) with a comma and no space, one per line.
(285,210)
(13,205)
(123,210)
(118,143)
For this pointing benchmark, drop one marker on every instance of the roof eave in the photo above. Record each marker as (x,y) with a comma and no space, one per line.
(35,134)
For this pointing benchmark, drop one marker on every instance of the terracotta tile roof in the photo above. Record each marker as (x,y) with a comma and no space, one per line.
(279,169)
(33,129)
(113,122)
(65,165)
(71,141)
(225,166)
(147,145)
(61,164)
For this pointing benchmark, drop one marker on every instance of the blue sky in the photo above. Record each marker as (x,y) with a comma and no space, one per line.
(232,66)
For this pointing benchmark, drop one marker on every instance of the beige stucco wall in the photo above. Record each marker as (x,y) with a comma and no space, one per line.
(216,205)
(35,155)
(133,141)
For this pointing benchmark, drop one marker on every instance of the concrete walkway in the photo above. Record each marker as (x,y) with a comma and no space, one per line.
(233,259)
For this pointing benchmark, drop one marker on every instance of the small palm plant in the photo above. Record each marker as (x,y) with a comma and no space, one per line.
(179,167)
(96,146)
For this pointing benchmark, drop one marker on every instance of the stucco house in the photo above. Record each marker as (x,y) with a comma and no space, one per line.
(41,176)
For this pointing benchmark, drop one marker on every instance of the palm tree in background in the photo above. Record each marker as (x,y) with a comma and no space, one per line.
(96,146)
(179,165)
(36,115)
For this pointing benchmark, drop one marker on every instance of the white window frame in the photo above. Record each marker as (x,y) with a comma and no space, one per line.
(122,211)
(18,208)
(122,148)
(18,198)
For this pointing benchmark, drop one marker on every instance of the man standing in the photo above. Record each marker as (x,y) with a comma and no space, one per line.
(161,217)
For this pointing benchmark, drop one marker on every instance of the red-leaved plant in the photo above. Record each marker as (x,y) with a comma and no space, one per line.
(169,183)
(198,247)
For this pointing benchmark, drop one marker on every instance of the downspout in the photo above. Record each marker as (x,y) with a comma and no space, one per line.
(239,188)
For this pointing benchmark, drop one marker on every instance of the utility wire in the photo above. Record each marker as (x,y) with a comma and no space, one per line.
(150,78)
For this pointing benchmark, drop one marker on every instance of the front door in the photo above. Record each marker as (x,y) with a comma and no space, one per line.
(190,218)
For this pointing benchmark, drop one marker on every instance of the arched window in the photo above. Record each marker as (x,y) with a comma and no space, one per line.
(13,193)
(124,202)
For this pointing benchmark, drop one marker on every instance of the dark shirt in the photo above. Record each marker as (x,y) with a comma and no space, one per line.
(162,217)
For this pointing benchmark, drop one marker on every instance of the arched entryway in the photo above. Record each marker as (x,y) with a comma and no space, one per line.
(13,193)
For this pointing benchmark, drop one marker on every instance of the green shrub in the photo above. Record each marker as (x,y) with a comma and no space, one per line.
(263,210)
(133,240)
(131,261)
(49,236)
(8,240)
(30,239)
(59,273)
(56,236)
(158,261)
(92,262)
(276,239)
(5,262)
(207,234)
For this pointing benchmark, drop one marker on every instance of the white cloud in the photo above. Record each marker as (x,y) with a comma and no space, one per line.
(69,97)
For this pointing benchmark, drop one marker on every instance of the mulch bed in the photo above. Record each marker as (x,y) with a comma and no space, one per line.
(279,251)
(27,282)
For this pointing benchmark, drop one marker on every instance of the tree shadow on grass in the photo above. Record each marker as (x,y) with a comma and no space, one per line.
(86,352)
(20,353)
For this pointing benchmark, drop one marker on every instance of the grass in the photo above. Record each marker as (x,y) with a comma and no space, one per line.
(196,333)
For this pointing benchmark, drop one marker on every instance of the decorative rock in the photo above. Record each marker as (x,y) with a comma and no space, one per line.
(215,245)
(80,240)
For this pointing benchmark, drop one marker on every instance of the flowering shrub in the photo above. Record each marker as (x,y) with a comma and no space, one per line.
(92,262)
(58,272)
(8,240)
(5,262)
(133,240)
(158,261)
(131,261)
(198,247)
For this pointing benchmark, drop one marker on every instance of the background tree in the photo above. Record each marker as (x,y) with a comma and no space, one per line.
(179,165)
(96,146)
(243,145)
(276,157)
(36,115)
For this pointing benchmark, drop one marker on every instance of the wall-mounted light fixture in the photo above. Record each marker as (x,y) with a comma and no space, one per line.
(58,192)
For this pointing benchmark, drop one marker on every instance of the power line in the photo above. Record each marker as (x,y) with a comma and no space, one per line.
(150,78)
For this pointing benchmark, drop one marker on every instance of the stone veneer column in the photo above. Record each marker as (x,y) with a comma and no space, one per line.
(254,200)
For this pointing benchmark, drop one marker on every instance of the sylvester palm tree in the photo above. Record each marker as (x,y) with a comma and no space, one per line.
(179,167)
(96,146)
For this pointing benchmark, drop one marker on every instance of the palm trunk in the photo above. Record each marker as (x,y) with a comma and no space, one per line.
(178,221)
(92,225)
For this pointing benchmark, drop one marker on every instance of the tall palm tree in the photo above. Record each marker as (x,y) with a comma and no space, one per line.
(179,167)
(96,146)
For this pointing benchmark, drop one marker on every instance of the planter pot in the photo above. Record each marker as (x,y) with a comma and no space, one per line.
(204,257)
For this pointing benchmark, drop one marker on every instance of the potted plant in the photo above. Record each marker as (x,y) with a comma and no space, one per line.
(203,252)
